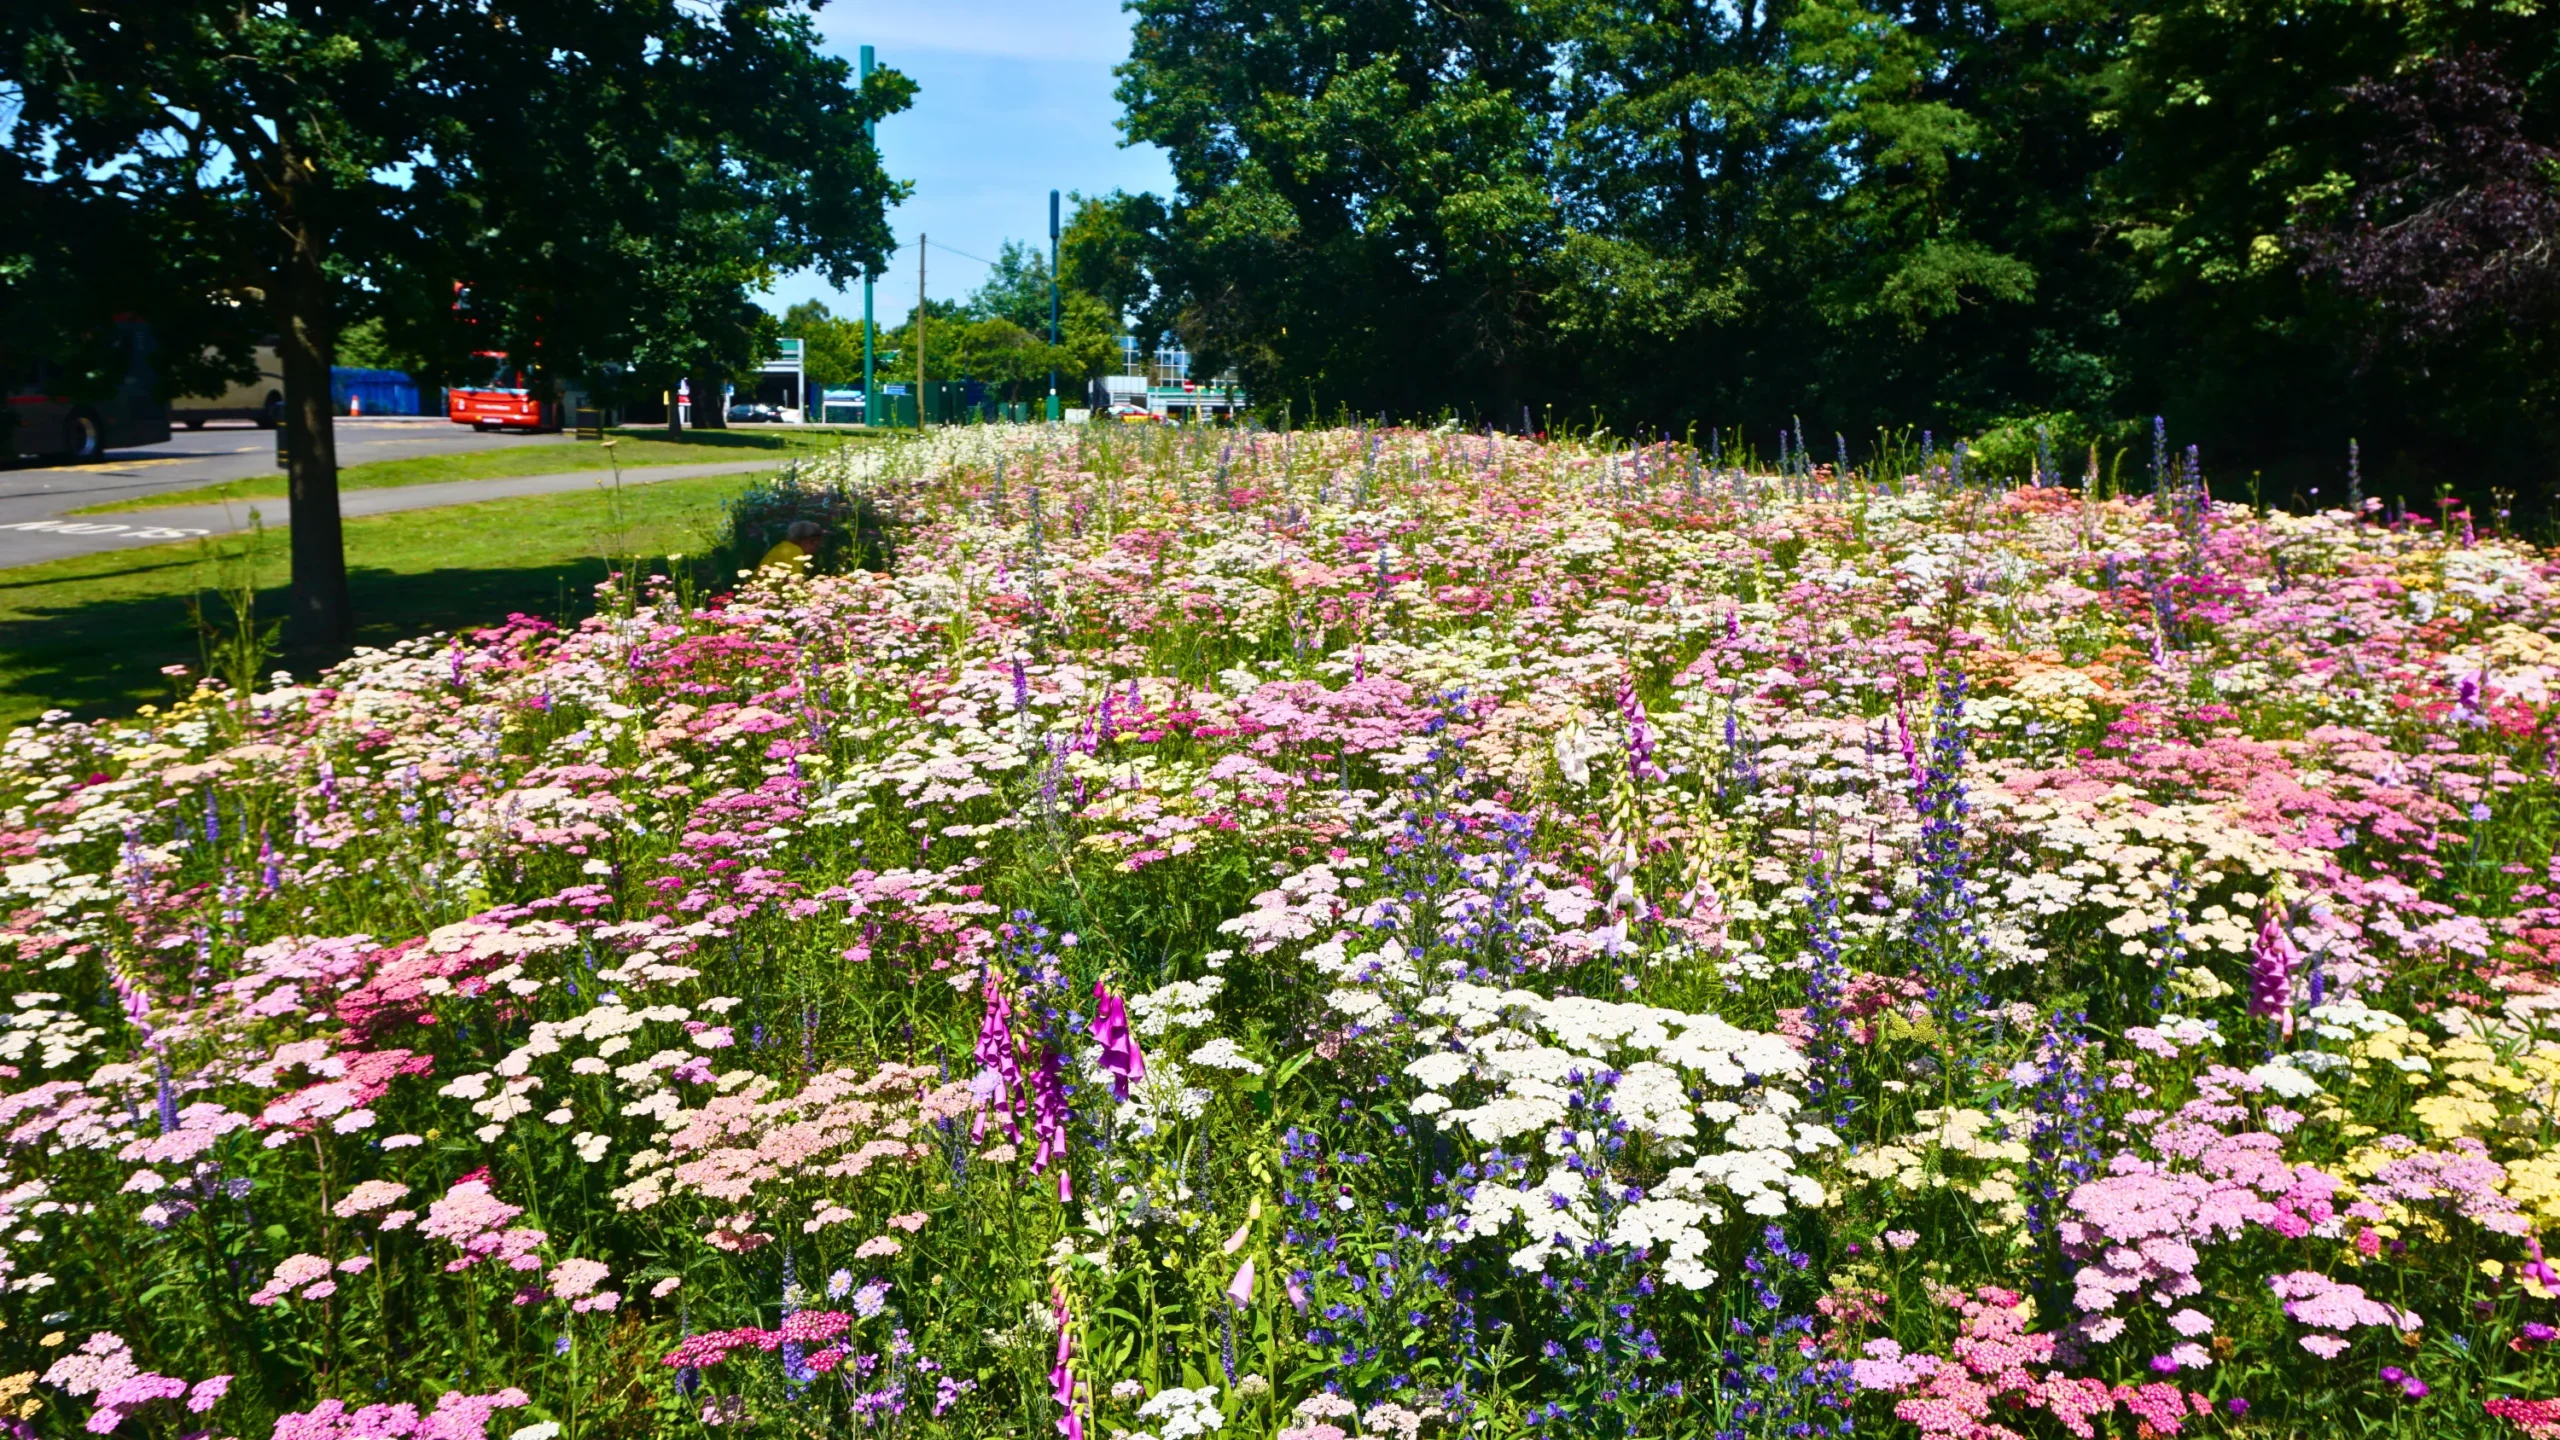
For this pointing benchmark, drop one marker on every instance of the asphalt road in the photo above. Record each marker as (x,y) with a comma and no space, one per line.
(34,491)
(38,495)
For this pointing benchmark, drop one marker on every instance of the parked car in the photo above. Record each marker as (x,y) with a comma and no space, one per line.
(1128,414)
(754,415)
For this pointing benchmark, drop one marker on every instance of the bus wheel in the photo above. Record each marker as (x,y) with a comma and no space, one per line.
(193,424)
(83,438)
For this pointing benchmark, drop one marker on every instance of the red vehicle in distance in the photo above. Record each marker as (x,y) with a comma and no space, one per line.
(514,398)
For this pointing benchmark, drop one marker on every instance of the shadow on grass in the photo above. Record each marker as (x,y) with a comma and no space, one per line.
(104,657)
(713,439)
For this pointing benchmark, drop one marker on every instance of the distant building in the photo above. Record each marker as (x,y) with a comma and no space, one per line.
(1161,381)
(782,381)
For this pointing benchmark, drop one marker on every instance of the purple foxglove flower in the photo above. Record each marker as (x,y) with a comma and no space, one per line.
(2271,971)
(2537,1269)
(1062,1376)
(1049,1119)
(1639,734)
(1121,1058)
(1000,1072)
(1910,750)
(1240,1289)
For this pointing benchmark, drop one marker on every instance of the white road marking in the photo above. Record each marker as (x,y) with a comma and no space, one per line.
(142,532)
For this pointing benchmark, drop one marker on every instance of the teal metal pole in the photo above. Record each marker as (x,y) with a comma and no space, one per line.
(870,382)
(1053,305)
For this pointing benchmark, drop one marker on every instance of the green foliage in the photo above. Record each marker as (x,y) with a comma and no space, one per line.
(595,188)
(830,345)
(89,634)
(1863,212)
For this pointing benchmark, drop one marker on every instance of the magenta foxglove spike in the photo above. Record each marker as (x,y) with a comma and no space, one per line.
(1910,749)
(1121,1058)
(2271,971)
(1062,1376)
(999,1083)
(1049,1120)
(2537,1269)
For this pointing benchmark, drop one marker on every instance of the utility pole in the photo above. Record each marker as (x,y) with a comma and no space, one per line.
(870,382)
(1053,307)
(920,244)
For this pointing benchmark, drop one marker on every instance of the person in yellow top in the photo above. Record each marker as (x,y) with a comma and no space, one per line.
(797,548)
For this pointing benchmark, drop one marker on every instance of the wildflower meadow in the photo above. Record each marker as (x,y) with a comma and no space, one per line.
(1325,934)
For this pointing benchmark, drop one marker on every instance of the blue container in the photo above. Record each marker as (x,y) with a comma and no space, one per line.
(383,392)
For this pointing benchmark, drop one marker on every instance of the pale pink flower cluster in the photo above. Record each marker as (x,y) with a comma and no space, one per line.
(2316,1300)
(353,1082)
(199,1126)
(456,1417)
(103,1368)
(2138,1228)
(2462,1175)
(369,1196)
(475,1221)
(576,1281)
(1994,1370)
(2141,1226)
(308,1274)
(836,1127)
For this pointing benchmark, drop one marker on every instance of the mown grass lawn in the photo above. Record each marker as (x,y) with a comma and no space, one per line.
(90,634)
(631,449)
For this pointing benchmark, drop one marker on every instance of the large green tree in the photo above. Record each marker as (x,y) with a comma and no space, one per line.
(1362,210)
(2279,224)
(612,178)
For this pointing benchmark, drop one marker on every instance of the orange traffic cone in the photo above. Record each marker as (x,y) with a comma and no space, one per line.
(355,405)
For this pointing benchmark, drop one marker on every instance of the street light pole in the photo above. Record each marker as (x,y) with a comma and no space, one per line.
(920,244)
(1053,306)
(870,383)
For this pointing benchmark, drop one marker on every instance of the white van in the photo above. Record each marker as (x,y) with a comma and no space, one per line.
(260,401)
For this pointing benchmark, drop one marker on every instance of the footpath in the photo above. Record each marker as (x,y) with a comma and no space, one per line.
(26,542)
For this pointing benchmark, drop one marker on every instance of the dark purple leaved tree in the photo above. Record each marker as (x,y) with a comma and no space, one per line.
(2455,215)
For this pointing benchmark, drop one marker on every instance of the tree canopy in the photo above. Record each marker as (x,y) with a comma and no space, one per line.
(999,334)
(613,181)
(2281,226)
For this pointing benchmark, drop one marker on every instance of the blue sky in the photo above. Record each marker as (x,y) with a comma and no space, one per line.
(1013,100)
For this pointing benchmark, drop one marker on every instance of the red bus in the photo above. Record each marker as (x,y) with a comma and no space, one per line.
(513,398)
(45,418)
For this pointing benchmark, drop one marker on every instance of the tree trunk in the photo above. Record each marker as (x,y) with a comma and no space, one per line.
(318,615)
(675,411)
(710,409)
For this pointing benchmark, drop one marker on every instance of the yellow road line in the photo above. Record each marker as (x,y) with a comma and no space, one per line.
(111,467)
